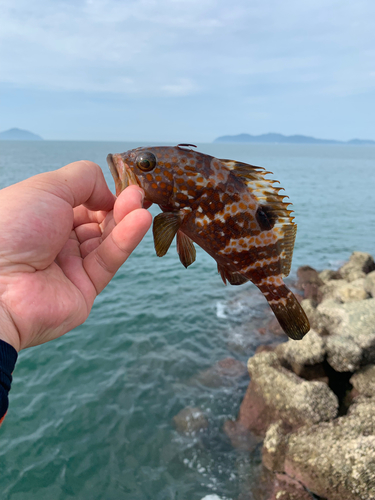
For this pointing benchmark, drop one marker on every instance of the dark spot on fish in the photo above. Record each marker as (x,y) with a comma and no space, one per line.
(266,218)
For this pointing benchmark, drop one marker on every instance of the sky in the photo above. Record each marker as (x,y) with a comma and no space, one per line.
(187,70)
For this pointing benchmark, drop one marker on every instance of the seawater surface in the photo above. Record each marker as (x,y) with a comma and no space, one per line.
(91,413)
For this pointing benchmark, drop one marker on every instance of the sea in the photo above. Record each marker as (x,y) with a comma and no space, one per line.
(91,414)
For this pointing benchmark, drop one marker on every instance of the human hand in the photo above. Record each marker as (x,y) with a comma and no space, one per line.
(63,236)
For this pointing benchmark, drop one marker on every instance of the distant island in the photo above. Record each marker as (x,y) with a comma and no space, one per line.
(272,138)
(16,134)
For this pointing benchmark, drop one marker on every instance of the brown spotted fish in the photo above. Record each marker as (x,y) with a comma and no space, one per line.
(226,207)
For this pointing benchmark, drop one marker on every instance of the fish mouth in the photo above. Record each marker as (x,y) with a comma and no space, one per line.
(121,173)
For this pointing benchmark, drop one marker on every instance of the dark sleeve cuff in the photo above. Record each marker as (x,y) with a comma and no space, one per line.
(8,358)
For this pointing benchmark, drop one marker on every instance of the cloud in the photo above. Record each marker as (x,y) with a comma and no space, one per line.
(183,87)
(153,47)
(98,45)
(200,67)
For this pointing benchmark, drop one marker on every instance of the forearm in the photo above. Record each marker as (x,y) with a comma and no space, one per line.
(8,358)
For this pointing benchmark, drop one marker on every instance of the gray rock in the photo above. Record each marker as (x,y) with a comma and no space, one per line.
(358,283)
(370,283)
(353,291)
(318,321)
(333,313)
(330,288)
(274,447)
(335,460)
(341,291)
(344,355)
(309,307)
(359,317)
(364,380)
(190,420)
(308,351)
(359,264)
(328,275)
(352,329)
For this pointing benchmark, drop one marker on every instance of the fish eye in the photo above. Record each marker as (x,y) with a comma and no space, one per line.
(146,161)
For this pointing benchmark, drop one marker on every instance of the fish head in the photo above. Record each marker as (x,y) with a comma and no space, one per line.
(164,173)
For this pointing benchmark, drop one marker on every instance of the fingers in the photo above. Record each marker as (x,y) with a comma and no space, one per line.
(103,262)
(83,215)
(131,198)
(91,237)
(133,222)
(88,231)
(93,227)
(127,201)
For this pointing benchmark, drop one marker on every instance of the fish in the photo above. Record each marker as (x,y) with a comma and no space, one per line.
(229,208)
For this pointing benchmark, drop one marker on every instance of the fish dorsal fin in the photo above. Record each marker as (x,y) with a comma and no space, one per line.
(232,278)
(262,189)
(185,249)
(268,197)
(245,170)
(165,227)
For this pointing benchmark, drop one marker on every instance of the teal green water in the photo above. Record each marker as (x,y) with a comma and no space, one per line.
(91,414)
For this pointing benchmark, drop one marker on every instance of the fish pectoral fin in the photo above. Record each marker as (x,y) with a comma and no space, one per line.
(185,249)
(232,278)
(165,227)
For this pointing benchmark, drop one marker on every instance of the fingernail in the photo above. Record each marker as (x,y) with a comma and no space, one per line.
(142,193)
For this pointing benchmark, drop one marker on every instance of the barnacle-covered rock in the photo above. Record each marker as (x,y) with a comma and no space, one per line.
(335,460)
(318,321)
(352,291)
(329,274)
(370,283)
(275,393)
(364,381)
(352,328)
(308,351)
(359,264)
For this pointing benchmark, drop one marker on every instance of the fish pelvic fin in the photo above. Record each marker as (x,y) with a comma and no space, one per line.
(164,228)
(288,310)
(185,249)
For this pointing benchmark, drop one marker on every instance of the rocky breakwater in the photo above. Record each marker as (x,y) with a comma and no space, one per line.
(313,401)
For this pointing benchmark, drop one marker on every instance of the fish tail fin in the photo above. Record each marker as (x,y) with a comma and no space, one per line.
(287,309)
